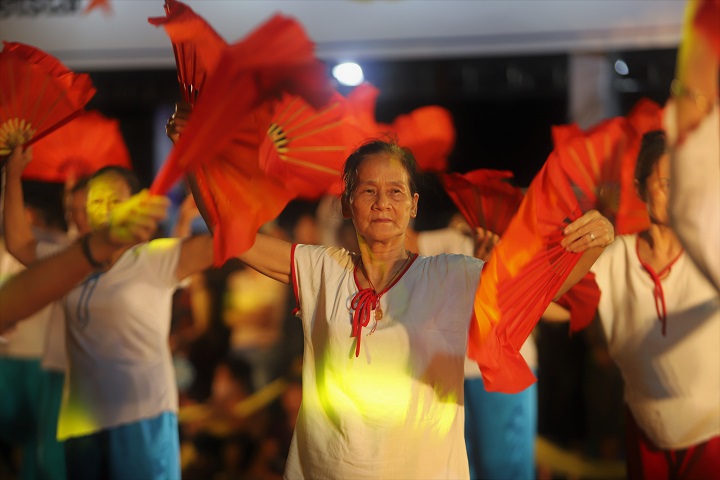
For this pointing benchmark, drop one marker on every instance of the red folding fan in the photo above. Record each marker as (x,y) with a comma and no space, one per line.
(305,148)
(221,142)
(486,200)
(427,131)
(707,22)
(38,94)
(601,165)
(529,266)
(196,45)
(277,57)
(524,273)
(83,146)
(484,197)
(361,102)
(582,301)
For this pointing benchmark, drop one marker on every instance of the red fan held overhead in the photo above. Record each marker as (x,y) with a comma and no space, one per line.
(38,95)
(427,131)
(83,146)
(305,147)
(196,45)
(601,164)
(484,197)
(221,142)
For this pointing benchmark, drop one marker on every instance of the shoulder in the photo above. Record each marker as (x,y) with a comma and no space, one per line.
(158,247)
(616,258)
(322,253)
(451,263)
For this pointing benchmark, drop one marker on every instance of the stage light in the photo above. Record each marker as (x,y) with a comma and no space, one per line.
(348,73)
(621,67)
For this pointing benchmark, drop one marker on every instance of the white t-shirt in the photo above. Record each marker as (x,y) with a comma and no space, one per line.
(672,382)
(120,367)
(695,193)
(54,356)
(27,340)
(396,411)
(450,240)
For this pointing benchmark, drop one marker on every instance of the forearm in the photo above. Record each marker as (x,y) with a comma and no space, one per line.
(19,238)
(48,280)
(581,269)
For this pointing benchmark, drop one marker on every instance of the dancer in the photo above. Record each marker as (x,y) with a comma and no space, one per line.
(118,417)
(386,332)
(662,321)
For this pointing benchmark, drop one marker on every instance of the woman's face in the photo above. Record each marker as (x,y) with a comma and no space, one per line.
(657,190)
(105,193)
(382,204)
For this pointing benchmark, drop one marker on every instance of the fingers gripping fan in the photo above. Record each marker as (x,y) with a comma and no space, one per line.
(83,146)
(38,95)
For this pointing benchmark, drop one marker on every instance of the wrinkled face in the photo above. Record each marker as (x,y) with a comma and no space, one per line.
(382,204)
(657,190)
(105,193)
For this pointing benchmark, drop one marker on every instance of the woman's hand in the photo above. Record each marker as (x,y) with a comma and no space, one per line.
(485,241)
(589,231)
(136,219)
(17,161)
(177,122)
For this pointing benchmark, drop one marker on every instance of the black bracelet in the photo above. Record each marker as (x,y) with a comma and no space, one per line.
(85,244)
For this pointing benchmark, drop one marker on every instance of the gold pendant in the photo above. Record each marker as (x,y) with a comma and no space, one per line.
(378,314)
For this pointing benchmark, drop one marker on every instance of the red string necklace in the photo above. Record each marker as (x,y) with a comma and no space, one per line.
(368,299)
(658,292)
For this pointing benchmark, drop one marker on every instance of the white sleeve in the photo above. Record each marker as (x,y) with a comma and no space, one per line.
(161,258)
(48,249)
(445,240)
(695,195)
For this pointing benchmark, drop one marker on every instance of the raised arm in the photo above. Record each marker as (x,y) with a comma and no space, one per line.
(589,235)
(19,238)
(268,255)
(49,279)
(695,150)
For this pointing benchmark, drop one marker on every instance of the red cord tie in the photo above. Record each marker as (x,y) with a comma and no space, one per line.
(658,293)
(364,302)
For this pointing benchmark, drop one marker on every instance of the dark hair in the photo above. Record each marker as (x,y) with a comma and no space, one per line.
(371,148)
(652,149)
(81,184)
(125,173)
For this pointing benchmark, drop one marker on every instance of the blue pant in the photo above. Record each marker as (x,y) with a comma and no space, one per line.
(500,432)
(147,449)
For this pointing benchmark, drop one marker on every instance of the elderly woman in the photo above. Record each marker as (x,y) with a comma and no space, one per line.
(661,318)
(385,332)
